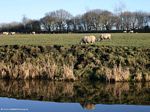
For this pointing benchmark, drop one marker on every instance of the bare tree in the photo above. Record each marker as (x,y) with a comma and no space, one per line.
(106,20)
(61,17)
(91,20)
(126,18)
(140,16)
(78,23)
(25,20)
(133,21)
(87,19)
(33,26)
(48,22)
(117,22)
(56,20)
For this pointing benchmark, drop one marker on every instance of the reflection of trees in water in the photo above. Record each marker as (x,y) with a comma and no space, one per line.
(87,93)
(42,90)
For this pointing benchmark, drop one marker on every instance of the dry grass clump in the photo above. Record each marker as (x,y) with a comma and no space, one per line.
(68,73)
(52,70)
(139,76)
(4,70)
(147,77)
(38,70)
(117,74)
(121,74)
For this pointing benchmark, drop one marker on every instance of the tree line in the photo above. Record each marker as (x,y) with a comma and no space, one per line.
(96,20)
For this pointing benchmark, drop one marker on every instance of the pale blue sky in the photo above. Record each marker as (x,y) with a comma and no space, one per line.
(13,10)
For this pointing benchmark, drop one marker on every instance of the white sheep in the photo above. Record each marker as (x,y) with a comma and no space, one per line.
(125,31)
(131,31)
(105,36)
(88,39)
(5,33)
(33,33)
(12,33)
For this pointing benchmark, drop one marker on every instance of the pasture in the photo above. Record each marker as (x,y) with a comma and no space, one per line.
(118,39)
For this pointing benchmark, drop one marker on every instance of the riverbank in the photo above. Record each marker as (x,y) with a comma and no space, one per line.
(76,62)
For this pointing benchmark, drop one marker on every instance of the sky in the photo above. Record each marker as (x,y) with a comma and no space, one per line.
(14,10)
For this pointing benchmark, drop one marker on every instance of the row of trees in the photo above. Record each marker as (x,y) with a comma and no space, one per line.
(93,20)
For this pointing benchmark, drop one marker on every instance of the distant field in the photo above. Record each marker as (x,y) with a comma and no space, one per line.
(118,39)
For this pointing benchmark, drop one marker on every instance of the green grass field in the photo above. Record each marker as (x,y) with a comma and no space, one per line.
(118,39)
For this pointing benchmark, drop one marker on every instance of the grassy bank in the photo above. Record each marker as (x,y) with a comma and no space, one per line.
(76,62)
(118,39)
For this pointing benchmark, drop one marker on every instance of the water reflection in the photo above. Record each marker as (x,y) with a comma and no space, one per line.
(86,93)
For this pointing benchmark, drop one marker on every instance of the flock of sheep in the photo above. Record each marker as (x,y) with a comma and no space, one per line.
(9,33)
(131,31)
(104,36)
(13,33)
(85,39)
(93,39)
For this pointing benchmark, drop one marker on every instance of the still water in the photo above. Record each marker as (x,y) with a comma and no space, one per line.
(47,96)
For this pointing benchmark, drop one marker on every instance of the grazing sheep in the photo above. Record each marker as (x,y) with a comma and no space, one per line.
(105,36)
(12,33)
(131,31)
(124,31)
(33,33)
(5,33)
(88,39)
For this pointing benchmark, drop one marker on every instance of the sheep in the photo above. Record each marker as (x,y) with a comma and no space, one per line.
(125,31)
(12,33)
(33,33)
(131,31)
(88,39)
(105,36)
(5,33)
